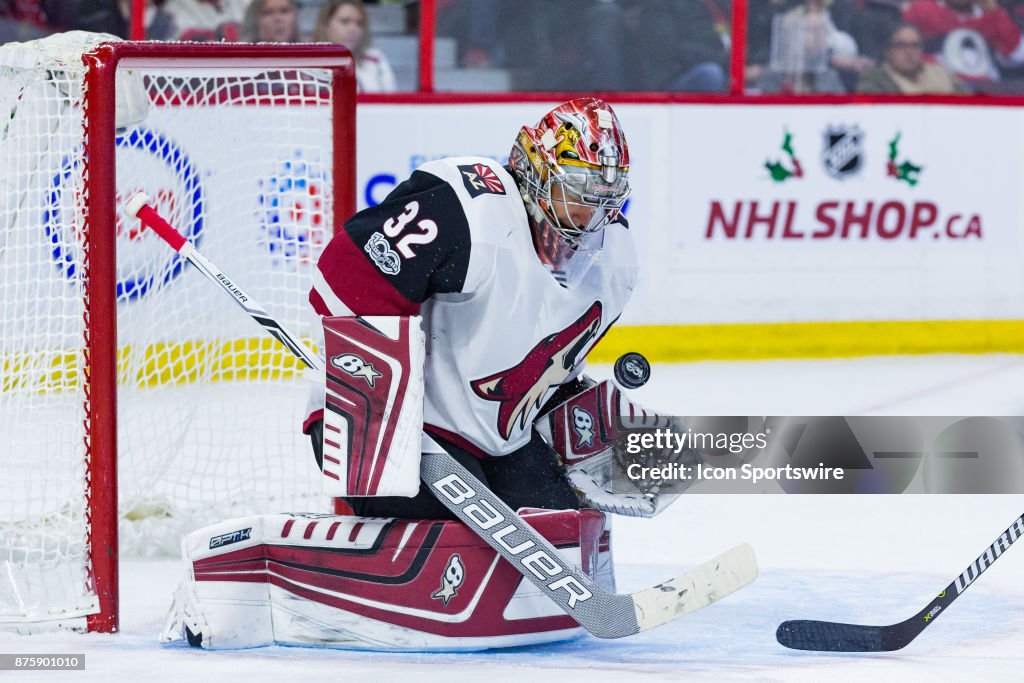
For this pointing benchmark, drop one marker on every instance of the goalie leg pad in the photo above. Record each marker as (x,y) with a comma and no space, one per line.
(370,583)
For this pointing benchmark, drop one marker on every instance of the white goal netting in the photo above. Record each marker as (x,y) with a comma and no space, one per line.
(209,408)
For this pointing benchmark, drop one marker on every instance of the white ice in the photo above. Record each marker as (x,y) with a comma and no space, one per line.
(861,559)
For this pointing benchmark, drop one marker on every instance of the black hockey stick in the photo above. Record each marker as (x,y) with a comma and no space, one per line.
(827,636)
(602,613)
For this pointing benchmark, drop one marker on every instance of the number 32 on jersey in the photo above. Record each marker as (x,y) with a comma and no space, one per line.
(421,232)
(410,234)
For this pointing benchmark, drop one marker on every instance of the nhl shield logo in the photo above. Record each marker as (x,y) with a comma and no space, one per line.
(843,155)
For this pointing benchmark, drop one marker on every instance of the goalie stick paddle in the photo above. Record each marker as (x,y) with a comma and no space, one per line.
(602,613)
(827,636)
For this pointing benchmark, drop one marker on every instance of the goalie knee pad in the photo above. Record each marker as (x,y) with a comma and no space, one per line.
(370,583)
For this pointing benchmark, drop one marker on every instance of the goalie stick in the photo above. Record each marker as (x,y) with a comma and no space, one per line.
(602,613)
(827,636)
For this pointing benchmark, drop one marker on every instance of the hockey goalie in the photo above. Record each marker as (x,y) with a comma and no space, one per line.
(457,317)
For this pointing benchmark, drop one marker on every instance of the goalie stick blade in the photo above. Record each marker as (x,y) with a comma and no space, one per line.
(827,636)
(697,588)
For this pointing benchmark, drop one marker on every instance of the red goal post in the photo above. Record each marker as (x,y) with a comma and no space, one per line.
(234,87)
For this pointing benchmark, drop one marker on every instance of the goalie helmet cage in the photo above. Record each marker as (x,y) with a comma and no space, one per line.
(109,359)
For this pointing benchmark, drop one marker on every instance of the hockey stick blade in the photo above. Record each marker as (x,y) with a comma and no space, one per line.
(604,614)
(699,587)
(827,636)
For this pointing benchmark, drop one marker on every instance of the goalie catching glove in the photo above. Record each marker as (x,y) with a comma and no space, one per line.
(588,434)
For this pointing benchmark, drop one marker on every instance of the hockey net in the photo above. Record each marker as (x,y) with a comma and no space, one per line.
(248,150)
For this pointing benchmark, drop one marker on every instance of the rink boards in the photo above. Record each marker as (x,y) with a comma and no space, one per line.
(775,230)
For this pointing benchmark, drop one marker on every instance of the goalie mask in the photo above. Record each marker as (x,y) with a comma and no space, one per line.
(573,173)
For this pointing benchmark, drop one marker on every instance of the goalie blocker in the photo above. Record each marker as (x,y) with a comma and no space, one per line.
(371,583)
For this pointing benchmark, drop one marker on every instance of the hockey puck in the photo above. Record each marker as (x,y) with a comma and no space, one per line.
(632,370)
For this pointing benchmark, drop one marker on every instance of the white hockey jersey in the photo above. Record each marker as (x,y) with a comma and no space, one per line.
(453,244)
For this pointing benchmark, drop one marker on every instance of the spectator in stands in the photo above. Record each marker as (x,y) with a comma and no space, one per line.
(477,26)
(870,22)
(906,70)
(626,44)
(202,20)
(808,52)
(675,46)
(760,17)
(577,45)
(343,22)
(970,36)
(22,20)
(271,21)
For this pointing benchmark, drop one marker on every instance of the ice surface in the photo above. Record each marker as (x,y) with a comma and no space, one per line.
(861,559)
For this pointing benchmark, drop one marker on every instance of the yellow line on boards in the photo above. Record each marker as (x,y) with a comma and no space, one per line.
(263,358)
(234,360)
(762,341)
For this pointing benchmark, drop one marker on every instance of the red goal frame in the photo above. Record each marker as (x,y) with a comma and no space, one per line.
(100,343)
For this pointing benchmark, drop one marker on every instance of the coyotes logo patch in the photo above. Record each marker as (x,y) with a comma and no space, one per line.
(520,389)
(452,577)
(480,179)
